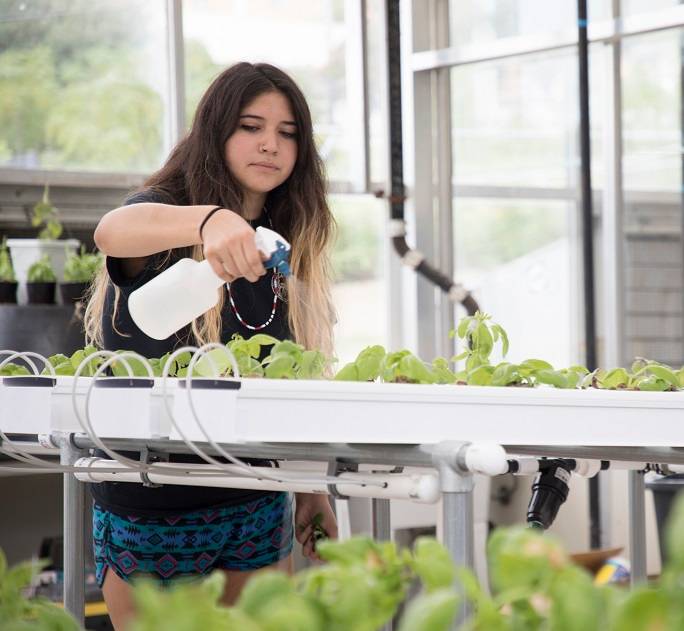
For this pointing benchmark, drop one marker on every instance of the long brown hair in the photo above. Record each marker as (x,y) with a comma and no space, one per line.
(196,173)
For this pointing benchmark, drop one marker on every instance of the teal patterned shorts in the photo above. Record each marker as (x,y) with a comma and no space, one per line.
(242,537)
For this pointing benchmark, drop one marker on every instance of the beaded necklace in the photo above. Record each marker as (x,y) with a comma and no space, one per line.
(278,287)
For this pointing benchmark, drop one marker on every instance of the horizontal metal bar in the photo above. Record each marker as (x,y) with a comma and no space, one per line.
(659,455)
(604,31)
(127,181)
(407,455)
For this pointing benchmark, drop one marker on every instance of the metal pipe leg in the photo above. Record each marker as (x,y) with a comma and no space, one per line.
(381,528)
(637,527)
(380,515)
(457,519)
(74,539)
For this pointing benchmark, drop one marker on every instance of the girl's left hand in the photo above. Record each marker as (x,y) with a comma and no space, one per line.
(308,505)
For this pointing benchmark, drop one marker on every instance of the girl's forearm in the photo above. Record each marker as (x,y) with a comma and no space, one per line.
(144,229)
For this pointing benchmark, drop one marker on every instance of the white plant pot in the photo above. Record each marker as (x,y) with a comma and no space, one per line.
(27,404)
(25,252)
(215,402)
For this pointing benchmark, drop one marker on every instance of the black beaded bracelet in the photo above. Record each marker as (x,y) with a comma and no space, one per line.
(207,218)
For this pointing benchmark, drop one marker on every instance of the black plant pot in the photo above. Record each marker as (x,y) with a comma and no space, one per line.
(8,292)
(41,293)
(72,292)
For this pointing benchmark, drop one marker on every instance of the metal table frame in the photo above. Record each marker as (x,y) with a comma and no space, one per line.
(456,485)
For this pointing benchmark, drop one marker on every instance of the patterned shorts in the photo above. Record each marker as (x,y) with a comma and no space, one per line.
(242,537)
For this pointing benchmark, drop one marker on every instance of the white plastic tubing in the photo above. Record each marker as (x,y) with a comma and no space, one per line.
(416,487)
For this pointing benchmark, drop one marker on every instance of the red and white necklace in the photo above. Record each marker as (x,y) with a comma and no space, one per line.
(278,287)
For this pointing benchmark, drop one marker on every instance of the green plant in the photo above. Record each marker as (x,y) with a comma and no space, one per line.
(47,216)
(14,370)
(644,375)
(359,588)
(17,612)
(82,267)
(66,366)
(480,334)
(404,367)
(41,271)
(288,360)
(246,352)
(366,367)
(6,269)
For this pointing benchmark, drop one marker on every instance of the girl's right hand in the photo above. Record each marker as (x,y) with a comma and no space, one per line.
(229,247)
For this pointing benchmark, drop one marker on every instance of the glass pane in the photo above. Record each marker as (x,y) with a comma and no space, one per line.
(630,7)
(360,288)
(515,121)
(651,99)
(515,173)
(81,86)
(474,23)
(652,167)
(515,256)
(377,98)
(306,39)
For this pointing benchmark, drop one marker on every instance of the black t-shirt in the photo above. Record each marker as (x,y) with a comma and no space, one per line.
(254,302)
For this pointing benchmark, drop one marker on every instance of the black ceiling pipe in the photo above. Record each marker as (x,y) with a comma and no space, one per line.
(587,242)
(410,257)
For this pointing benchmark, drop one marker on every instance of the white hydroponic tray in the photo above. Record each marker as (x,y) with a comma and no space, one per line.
(332,412)
(320,411)
(114,412)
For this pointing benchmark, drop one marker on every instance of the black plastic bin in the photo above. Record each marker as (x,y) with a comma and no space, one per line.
(665,491)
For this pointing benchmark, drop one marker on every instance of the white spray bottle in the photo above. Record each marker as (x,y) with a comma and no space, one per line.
(187,289)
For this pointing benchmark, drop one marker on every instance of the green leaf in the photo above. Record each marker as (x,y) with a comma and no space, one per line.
(665,373)
(505,374)
(575,602)
(481,376)
(483,343)
(618,377)
(643,610)
(463,326)
(552,378)
(522,558)
(312,365)
(280,367)
(433,564)
(348,372)
(441,371)
(652,384)
(431,612)
(262,589)
(214,363)
(504,338)
(536,364)
(369,362)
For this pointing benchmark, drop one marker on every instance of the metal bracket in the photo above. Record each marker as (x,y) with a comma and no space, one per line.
(149,456)
(335,467)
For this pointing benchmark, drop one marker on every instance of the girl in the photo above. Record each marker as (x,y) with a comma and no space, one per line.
(248,160)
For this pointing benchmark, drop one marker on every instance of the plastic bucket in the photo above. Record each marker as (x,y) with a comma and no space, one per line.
(25,252)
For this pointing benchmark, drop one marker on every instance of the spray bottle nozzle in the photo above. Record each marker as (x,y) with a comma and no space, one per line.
(276,248)
(279,259)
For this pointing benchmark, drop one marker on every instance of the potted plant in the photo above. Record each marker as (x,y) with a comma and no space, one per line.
(79,271)
(41,282)
(26,251)
(8,281)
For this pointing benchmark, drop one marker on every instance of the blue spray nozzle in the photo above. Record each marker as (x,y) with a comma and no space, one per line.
(280,259)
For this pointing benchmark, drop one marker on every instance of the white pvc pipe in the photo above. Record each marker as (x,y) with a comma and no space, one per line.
(422,487)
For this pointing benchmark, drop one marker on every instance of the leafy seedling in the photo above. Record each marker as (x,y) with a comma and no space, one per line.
(6,270)
(46,217)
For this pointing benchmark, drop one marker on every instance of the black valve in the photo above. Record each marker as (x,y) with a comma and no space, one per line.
(549,491)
